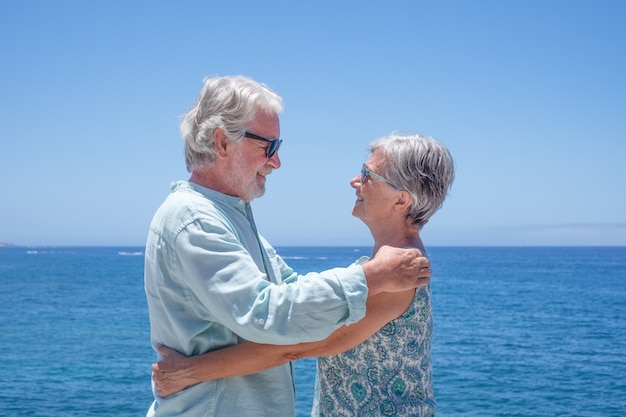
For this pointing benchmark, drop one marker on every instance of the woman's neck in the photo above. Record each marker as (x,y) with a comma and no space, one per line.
(410,238)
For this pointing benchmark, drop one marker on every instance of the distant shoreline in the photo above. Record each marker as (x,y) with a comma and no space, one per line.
(10,245)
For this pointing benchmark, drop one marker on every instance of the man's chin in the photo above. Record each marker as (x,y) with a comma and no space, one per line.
(255,194)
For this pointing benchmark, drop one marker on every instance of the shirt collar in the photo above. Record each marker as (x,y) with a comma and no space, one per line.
(209,193)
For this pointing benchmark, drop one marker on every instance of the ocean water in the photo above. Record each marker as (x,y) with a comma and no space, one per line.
(518,331)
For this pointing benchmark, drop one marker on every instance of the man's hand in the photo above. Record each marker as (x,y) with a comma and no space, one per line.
(395,269)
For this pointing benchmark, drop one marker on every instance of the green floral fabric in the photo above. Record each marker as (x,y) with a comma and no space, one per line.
(390,374)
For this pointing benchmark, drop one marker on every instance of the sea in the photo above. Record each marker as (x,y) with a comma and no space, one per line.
(519,331)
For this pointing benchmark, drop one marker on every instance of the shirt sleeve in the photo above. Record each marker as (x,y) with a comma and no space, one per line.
(229,288)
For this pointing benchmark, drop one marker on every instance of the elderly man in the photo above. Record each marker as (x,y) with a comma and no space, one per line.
(212,281)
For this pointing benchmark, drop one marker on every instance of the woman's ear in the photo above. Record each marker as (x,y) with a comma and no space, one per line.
(221,142)
(403,201)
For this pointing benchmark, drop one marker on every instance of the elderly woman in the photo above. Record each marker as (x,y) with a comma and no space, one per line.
(382,364)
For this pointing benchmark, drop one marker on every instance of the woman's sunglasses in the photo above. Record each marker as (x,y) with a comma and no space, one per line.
(367,173)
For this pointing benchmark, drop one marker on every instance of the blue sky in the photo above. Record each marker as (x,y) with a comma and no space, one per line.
(529,96)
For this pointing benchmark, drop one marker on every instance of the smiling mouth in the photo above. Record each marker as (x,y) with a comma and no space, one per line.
(264,174)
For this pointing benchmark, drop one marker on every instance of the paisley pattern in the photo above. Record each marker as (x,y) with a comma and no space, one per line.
(390,374)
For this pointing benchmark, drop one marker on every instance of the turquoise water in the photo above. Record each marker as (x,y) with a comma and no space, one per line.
(518,331)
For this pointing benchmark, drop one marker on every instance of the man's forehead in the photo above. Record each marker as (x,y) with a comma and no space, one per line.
(267,123)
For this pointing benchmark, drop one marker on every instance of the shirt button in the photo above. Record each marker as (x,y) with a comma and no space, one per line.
(261,321)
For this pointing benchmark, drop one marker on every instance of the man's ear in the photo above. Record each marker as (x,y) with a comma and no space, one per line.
(221,142)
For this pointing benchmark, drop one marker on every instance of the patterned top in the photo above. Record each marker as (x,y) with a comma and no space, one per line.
(390,374)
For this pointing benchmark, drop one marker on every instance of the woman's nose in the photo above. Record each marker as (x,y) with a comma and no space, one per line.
(355,182)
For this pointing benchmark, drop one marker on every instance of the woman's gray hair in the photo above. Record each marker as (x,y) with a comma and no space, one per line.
(420,166)
(229,103)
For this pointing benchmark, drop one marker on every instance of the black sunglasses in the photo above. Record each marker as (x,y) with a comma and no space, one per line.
(274,143)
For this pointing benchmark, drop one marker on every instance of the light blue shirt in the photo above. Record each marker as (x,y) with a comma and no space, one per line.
(211,281)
